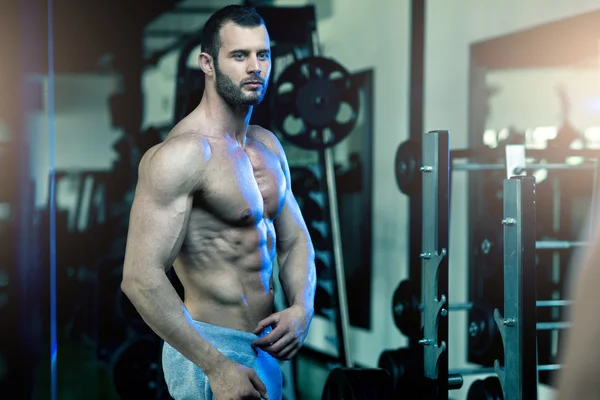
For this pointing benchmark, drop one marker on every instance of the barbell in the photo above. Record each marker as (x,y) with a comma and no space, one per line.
(408,163)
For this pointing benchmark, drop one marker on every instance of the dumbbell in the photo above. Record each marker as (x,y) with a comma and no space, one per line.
(407,309)
(405,367)
(490,388)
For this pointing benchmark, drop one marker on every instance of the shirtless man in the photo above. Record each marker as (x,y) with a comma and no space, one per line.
(214,200)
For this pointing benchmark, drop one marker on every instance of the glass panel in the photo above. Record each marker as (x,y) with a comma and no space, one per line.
(26,121)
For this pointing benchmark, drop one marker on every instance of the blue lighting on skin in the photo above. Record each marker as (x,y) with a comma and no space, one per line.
(52,206)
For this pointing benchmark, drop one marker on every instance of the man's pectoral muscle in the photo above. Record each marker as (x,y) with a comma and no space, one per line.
(159,216)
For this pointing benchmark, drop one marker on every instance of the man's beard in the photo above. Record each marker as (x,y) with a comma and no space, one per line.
(233,94)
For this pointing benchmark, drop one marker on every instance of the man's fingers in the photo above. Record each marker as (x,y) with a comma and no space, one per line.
(253,395)
(286,352)
(289,351)
(280,344)
(272,337)
(258,384)
(270,320)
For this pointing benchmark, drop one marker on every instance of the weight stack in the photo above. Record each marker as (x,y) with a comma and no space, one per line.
(307,188)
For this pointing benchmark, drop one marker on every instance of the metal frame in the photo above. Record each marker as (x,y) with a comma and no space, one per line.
(417,62)
(434,260)
(519,376)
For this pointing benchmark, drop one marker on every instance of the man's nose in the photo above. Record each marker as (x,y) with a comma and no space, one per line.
(254,66)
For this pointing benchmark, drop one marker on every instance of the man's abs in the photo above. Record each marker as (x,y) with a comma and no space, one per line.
(227,272)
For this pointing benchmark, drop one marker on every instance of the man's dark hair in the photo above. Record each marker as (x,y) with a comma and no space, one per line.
(244,16)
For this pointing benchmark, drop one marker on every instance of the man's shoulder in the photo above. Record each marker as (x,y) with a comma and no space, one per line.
(267,138)
(179,153)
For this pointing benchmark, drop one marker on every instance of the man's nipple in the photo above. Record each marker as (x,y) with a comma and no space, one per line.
(246,214)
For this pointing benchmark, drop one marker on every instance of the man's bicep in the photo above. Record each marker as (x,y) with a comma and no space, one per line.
(158,219)
(156,231)
(289,224)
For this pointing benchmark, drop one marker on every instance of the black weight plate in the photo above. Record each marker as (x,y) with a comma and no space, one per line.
(408,167)
(401,364)
(488,249)
(486,389)
(311,92)
(358,384)
(482,328)
(405,309)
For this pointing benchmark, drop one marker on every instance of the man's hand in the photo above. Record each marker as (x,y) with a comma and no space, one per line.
(290,327)
(233,381)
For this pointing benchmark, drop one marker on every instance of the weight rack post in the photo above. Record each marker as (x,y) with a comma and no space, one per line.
(519,376)
(434,261)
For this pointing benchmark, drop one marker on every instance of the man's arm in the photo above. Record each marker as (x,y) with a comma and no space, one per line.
(295,252)
(157,227)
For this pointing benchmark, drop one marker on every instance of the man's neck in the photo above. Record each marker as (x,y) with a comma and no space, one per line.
(225,118)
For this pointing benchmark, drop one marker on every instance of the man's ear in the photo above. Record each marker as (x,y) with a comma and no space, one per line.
(205,61)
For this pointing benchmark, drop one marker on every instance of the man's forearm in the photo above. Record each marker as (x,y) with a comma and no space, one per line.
(297,274)
(161,308)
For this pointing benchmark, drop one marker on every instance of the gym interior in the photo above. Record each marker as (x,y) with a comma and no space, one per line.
(417,176)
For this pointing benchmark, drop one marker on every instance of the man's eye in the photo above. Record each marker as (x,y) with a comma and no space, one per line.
(263,56)
(238,56)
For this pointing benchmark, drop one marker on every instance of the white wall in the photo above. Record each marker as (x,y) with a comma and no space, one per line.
(83,135)
(450,30)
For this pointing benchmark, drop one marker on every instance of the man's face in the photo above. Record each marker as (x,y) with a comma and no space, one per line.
(244,64)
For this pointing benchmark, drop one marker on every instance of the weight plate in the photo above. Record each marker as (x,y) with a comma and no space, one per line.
(486,389)
(311,92)
(402,364)
(481,329)
(358,384)
(408,167)
(487,245)
(405,309)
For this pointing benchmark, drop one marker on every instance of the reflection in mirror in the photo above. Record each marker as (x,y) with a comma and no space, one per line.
(538,87)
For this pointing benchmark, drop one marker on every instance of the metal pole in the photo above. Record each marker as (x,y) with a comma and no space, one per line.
(338,255)
(434,283)
(519,376)
(468,306)
(558,244)
(490,370)
(494,167)
(552,326)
